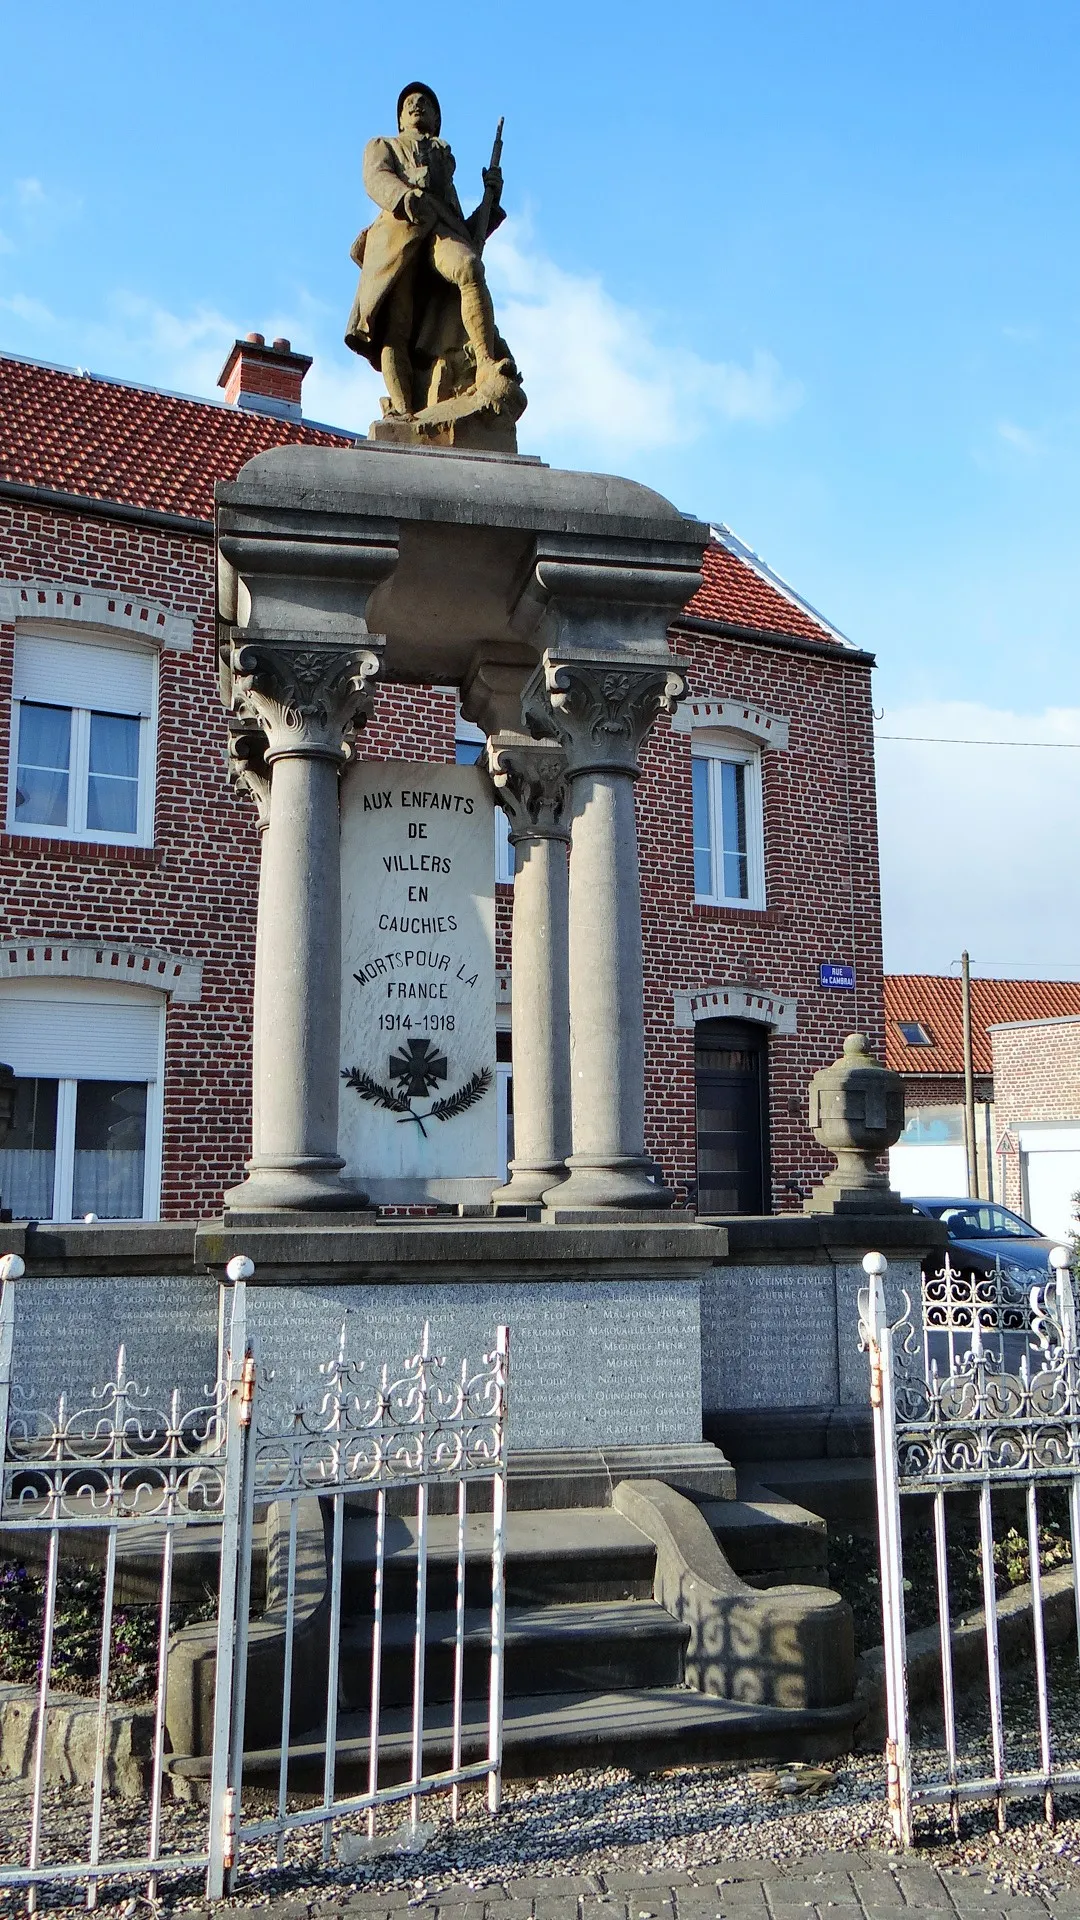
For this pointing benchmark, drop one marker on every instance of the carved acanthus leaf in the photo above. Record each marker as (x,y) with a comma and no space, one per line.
(531,787)
(599,712)
(306,698)
(249,770)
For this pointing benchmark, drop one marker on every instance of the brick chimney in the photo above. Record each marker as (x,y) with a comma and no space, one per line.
(265,379)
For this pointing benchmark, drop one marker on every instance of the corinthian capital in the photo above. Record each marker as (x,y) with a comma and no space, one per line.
(307,696)
(530,786)
(248,769)
(601,709)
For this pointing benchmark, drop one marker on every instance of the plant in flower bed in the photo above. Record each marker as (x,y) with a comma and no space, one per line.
(854,1568)
(77,1633)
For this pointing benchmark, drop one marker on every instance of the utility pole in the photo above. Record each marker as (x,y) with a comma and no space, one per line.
(970,1137)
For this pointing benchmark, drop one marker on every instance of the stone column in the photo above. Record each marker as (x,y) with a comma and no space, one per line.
(531,787)
(600,710)
(306,696)
(250,774)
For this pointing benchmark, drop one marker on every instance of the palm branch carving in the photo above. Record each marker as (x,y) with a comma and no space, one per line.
(370,1089)
(465,1097)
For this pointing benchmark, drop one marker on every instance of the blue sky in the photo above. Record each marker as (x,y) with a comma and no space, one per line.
(808,268)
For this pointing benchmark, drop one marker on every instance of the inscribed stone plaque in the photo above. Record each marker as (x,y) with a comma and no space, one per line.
(769,1337)
(592,1363)
(68,1332)
(418,1104)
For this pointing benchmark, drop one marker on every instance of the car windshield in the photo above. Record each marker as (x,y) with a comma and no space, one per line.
(981,1220)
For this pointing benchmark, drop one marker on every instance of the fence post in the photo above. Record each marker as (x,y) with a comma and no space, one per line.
(12,1268)
(237,1414)
(876,1337)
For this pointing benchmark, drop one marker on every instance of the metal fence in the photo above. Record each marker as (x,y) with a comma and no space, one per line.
(125,1471)
(997,1414)
(410,1434)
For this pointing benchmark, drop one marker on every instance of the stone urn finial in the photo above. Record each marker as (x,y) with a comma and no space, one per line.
(857,1112)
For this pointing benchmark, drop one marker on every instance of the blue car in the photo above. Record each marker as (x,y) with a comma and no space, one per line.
(982,1238)
(981,1233)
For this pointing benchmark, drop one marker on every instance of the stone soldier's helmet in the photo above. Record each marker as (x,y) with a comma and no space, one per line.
(420,86)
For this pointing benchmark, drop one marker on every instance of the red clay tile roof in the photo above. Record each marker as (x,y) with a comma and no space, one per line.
(933,1000)
(733,590)
(70,433)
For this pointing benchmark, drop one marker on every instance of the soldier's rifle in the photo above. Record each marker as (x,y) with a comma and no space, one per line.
(484,211)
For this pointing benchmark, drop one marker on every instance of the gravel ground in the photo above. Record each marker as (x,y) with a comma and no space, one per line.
(607,1823)
(683,1821)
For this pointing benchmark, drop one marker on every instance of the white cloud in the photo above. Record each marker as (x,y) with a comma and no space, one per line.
(979,844)
(34,312)
(1019,437)
(597,376)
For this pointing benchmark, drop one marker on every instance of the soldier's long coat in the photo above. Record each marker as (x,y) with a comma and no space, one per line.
(392,244)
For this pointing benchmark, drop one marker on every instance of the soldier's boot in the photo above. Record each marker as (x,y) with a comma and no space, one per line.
(396,371)
(478,319)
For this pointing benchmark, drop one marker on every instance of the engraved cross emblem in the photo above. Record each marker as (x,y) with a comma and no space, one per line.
(418,1068)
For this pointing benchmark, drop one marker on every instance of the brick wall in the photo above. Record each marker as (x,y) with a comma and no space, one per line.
(942,1090)
(1036,1077)
(822,896)
(194,892)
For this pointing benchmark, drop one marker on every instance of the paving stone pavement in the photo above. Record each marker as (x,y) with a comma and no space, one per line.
(826,1887)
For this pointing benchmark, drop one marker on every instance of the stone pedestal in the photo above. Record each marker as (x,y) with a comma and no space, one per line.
(531,786)
(473,568)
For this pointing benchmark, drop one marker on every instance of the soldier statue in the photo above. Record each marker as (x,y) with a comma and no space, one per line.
(422,314)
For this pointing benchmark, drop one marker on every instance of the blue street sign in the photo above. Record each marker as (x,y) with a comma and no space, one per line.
(832,974)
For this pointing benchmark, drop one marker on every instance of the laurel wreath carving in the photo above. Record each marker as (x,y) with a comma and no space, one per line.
(466,1096)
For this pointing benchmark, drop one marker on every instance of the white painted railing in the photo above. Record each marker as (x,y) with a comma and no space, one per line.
(1003,1414)
(124,1463)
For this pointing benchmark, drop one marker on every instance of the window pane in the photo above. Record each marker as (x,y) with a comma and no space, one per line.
(112,800)
(110,1149)
(41,780)
(28,1157)
(732,775)
(703,861)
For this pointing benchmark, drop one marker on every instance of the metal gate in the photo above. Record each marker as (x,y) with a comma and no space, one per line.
(394,1439)
(122,1465)
(982,1396)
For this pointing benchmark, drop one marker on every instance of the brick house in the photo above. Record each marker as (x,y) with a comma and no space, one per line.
(1037,1111)
(1025,1044)
(129,867)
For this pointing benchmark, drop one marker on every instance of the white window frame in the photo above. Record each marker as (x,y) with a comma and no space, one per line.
(94,995)
(76,828)
(466,733)
(740,753)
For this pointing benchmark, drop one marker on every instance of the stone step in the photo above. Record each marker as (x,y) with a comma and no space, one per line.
(770,1541)
(556,1733)
(613,1645)
(841,1492)
(554,1556)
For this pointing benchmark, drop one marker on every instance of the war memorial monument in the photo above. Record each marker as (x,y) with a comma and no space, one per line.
(435,552)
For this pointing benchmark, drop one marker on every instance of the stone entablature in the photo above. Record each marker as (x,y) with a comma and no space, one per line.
(116,613)
(171,974)
(735,1002)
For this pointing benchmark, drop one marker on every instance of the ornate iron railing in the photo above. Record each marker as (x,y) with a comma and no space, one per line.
(1001,1417)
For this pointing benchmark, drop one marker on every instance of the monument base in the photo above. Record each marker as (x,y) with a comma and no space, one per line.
(615,1182)
(295,1186)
